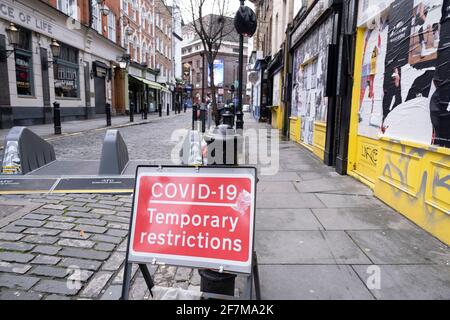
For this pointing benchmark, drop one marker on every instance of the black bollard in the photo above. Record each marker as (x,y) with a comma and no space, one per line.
(160,110)
(203,118)
(239,118)
(185,107)
(131,112)
(228,116)
(222,136)
(57,117)
(108,115)
(194,116)
(146,112)
(168,109)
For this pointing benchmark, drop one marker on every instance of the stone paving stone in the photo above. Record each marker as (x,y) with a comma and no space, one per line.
(276,187)
(14,295)
(125,214)
(181,285)
(183,274)
(55,297)
(17,282)
(42,231)
(75,235)
(79,209)
(119,277)
(78,214)
(102,212)
(81,263)
(117,233)
(15,257)
(286,219)
(123,246)
(316,282)
(114,262)
(308,247)
(281,176)
(348,201)
(104,246)
(49,212)
(61,219)
(16,246)
(46,201)
(119,226)
(361,219)
(76,243)
(60,225)
(113,292)
(409,282)
(46,260)
(100,206)
(34,216)
(401,247)
(108,239)
(92,222)
(47,271)
(84,254)
(14,267)
(96,285)
(116,219)
(54,207)
(46,250)
(10,236)
(56,287)
(288,201)
(111,203)
(138,289)
(195,279)
(91,229)
(80,275)
(40,239)
(12,229)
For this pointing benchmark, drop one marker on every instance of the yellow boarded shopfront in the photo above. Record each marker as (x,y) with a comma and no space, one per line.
(400,123)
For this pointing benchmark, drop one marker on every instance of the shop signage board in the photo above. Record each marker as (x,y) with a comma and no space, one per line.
(199,217)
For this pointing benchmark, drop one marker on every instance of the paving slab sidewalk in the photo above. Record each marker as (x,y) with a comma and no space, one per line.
(320,235)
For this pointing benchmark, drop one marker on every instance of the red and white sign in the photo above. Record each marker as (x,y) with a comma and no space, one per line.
(199,219)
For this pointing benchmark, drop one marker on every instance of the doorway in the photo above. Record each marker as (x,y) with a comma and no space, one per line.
(100,95)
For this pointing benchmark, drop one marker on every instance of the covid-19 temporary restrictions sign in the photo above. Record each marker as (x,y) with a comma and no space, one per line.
(195,217)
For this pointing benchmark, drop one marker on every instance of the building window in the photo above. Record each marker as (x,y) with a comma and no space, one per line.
(69,7)
(66,71)
(125,6)
(24,64)
(96,17)
(112,27)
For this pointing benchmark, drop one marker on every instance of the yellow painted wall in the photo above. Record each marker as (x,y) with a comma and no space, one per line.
(415,180)
(294,129)
(320,138)
(411,178)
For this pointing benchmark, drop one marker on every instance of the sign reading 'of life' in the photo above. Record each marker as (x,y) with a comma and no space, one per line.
(195,217)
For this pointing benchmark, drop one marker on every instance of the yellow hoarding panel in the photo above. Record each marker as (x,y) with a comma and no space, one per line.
(416,182)
(320,138)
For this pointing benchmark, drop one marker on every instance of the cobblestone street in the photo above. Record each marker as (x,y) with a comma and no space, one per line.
(317,234)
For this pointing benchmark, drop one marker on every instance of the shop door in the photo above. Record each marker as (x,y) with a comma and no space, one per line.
(100,95)
(45,77)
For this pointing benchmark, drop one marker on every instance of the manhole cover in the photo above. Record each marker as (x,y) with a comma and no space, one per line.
(11,211)
(6,210)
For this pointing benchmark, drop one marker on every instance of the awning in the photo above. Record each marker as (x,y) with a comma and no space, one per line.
(151,84)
